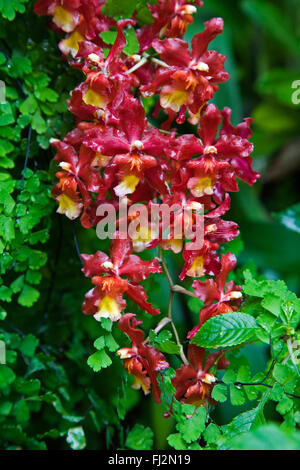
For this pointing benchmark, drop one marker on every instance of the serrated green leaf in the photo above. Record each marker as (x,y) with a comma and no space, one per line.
(219,393)
(99,343)
(9,8)
(237,395)
(212,433)
(29,345)
(110,343)
(139,438)
(7,376)
(28,296)
(191,428)
(99,360)
(268,437)
(176,441)
(226,330)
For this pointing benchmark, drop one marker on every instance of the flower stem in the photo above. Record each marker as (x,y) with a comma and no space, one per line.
(182,290)
(181,352)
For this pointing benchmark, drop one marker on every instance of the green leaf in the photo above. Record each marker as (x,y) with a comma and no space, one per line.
(111,344)
(7,376)
(29,345)
(38,123)
(6,147)
(99,360)
(191,428)
(119,9)
(285,405)
(5,294)
(169,347)
(270,290)
(76,438)
(219,393)
(237,395)
(7,228)
(6,114)
(100,343)
(18,284)
(19,65)
(132,44)
(226,330)
(176,441)
(106,323)
(267,437)
(5,408)
(29,106)
(163,343)
(8,8)
(6,188)
(21,411)
(139,438)
(3,313)
(143,14)
(285,375)
(109,37)
(166,386)
(27,387)
(28,296)
(212,433)
(242,423)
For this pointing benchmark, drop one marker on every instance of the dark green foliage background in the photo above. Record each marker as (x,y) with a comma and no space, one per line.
(49,396)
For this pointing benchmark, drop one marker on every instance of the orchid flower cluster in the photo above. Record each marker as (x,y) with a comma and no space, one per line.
(115,152)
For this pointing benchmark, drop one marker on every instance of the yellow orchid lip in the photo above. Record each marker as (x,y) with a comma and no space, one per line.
(197,268)
(127,185)
(174,99)
(68,206)
(108,308)
(70,45)
(93,98)
(203,186)
(64,19)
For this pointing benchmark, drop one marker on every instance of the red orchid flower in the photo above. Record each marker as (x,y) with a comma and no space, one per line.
(200,262)
(79,175)
(65,13)
(170,18)
(190,77)
(106,82)
(223,159)
(193,382)
(141,360)
(114,152)
(136,151)
(106,299)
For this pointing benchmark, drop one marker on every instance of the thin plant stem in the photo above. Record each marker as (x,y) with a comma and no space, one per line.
(171,283)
